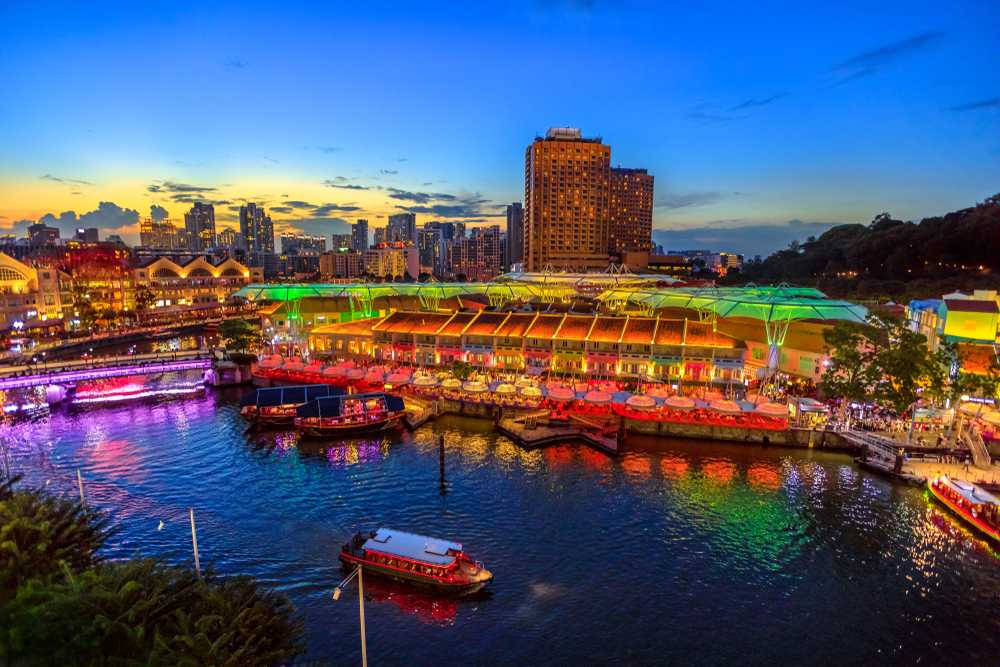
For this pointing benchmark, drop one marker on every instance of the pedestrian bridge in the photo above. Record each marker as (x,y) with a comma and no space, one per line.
(81,370)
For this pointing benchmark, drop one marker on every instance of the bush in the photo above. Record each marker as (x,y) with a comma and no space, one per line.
(43,536)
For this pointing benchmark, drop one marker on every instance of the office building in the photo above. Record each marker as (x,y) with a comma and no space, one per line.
(359,235)
(41,235)
(257,230)
(477,257)
(433,250)
(393,260)
(566,200)
(515,235)
(402,227)
(301,244)
(159,235)
(230,239)
(631,211)
(88,235)
(342,241)
(200,225)
(341,263)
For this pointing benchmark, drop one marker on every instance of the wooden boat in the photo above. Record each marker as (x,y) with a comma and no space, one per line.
(977,507)
(351,413)
(277,405)
(440,565)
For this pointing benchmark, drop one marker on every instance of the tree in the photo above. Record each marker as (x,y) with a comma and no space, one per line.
(237,334)
(849,375)
(461,369)
(144,300)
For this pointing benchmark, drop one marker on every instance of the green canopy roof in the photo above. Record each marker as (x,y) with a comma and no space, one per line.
(427,292)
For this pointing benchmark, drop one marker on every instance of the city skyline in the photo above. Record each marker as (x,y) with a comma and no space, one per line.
(821,120)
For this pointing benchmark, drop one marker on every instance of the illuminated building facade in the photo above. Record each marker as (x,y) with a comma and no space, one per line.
(393,260)
(515,236)
(200,225)
(159,235)
(257,231)
(341,263)
(359,235)
(478,256)
(566,201)
(631,211)
(30,295)
(196,282)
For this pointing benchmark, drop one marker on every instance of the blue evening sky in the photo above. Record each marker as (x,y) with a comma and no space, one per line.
(747,114)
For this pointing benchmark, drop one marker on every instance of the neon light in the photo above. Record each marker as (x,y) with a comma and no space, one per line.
(145,394)
(98,373)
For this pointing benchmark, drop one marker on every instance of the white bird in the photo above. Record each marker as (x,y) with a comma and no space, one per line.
(160,527)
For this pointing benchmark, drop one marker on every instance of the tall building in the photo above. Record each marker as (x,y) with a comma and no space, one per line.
(256,229)
(159,235)
(359,235)
(631,211)
(379,236)
(515,235)
(393,260)
(566,200)
(200,225)
(88,235)
(402,227)
(432,248)
(40,234)
(342,241)
(230,239)
(342,263)
(302,244)
(478,256)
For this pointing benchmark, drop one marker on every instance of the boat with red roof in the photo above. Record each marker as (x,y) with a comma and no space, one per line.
(438,564)
(977,507)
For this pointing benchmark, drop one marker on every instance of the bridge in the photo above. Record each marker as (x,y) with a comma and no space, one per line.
(80,370)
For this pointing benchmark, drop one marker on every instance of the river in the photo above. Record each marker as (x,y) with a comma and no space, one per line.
(676,552)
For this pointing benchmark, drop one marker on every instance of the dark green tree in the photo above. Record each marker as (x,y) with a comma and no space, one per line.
(238,335)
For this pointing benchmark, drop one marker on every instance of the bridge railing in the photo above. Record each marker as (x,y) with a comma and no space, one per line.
(55,366)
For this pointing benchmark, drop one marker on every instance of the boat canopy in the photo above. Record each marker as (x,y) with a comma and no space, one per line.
(414,547)
(972,493)
(333,406)
(273,396)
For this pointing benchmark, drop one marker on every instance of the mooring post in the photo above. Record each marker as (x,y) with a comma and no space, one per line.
(194,543)
(79,484)
(441,463)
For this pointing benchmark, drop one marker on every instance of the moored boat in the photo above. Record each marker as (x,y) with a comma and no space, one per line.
(977,507)
(441,565)
(277,405)
(351,413)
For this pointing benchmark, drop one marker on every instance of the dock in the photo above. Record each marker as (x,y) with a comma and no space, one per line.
(533,436)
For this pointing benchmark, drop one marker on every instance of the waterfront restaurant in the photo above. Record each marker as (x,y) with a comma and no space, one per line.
(599,345)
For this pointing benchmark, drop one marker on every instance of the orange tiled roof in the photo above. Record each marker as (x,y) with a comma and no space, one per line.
(575,327)
(639,330)
(607,330)
(412,322)
(516,325)
(669,332)
(485,324)
(701,333)
(544,326)
(354,328)
(456,325)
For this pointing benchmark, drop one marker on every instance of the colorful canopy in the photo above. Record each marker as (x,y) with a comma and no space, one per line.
(505,389)
(561,393)
(597,397)
(679,402)
(334,371)
(726,406)
(425,381)
(398,378)
(474,387)
(530,391)
(772,409)
(452,383)
(641,402)
(355,373)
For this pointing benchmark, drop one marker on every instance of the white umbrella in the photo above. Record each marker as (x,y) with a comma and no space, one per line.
(679,402)
(335,371)
(425,381)
(726,406)
(398,378)
(474,387)
(641,402)
(772,409)
(561,393)
(597,397)
(505,389)
(531,391)
(356,373)
(451,383)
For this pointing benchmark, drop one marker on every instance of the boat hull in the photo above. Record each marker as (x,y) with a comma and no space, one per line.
(324,431)
(434,584)
(973,522)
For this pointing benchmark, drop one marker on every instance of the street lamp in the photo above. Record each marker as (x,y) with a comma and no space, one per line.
(361,608)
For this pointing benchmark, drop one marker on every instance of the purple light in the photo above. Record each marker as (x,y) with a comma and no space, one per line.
(99,373)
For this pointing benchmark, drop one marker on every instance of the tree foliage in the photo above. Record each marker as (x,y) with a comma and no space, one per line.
(238,334)
(893,259)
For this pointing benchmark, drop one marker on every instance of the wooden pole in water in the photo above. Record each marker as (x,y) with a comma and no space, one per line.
(441,463)
(361,614)
(79,484)
(194,543)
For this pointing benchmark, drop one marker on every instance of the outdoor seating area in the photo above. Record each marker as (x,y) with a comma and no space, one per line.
(600,399)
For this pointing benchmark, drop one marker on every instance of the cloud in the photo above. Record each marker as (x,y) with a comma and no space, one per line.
(869,62)
(56,179)
(673,200)
(236,64)
(107,215)
(325,210)
(157,212)
(419,197)
(185,193)
(388,172)
(755,102)
(991,103)
(711,117)
(315,210)
(316,226)
(173,186)
(735,236)
(343,183)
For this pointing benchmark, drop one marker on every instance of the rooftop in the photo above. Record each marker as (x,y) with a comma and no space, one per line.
(413,546)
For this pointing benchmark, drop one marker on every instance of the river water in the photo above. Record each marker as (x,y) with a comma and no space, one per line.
(677,552)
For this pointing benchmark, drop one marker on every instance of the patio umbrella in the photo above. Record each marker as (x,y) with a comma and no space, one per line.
(524,381)
(552,384)
(474,387)
(398,378)
(505,389)
(293,365)
(772,409)
(425,381)
(356,373)
(335,371)
(597,397)
(728,407)
(530,391)
(452,383)
(561,394)
(659,391)
(582,386)
(641,402)
(679,402)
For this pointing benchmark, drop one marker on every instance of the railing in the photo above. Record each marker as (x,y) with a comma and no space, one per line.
(81,370)
(882,447)
(977,447)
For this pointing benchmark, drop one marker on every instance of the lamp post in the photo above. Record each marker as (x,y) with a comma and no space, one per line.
(361,608)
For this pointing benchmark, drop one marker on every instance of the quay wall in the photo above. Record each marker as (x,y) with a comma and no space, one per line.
(786,438)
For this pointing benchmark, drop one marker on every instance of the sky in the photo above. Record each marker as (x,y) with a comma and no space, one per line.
(761,122)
